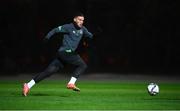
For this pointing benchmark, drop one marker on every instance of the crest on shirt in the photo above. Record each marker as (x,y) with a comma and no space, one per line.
(74,32)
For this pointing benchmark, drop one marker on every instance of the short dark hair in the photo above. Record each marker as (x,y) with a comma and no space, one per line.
(78,14)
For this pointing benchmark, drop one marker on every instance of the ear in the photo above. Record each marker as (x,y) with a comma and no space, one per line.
(74,19)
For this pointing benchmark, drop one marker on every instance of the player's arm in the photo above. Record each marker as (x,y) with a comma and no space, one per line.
(87,33)
(60,29)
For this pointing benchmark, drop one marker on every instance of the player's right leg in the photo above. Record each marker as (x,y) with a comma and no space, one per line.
(51,69)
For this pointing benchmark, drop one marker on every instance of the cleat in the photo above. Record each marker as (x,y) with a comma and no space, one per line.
(25,89)
(73,87)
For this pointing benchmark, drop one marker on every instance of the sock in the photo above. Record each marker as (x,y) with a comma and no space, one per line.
(31,84)
(72,80)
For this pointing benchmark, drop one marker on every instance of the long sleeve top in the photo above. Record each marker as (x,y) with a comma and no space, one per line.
(71,36)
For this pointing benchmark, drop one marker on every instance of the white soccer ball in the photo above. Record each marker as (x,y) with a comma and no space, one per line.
(153,89)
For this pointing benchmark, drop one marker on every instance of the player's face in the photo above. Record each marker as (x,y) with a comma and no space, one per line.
(79,20)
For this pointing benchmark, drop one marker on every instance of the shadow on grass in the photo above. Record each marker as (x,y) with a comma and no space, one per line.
(40,94)
(171,99)
(19,93)
(45,94)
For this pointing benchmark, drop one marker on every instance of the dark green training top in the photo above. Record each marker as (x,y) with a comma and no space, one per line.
(71,36)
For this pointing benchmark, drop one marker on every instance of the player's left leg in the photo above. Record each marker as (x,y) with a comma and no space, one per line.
(80,67)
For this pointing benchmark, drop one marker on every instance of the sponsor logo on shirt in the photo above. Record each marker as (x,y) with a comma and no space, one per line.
(78,32)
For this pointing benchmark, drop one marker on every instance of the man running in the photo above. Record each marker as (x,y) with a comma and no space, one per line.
(72,34)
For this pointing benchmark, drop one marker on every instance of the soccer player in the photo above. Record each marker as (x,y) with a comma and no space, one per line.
(72,34)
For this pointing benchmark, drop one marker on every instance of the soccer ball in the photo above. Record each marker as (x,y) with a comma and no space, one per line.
(153,89)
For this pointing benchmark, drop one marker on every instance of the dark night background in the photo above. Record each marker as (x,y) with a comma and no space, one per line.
(131,36)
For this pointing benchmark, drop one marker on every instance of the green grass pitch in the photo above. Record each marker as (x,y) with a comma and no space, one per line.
(94,95)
